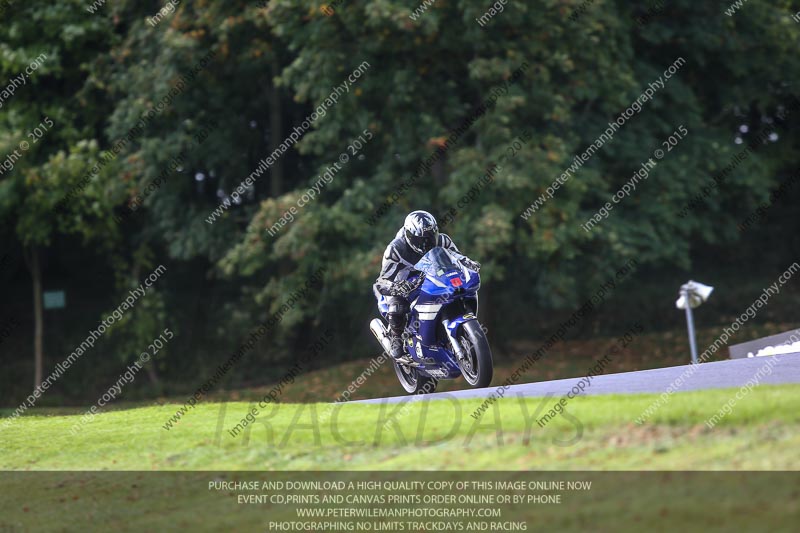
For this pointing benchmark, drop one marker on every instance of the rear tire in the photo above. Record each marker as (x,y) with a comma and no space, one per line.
(414,382)
(478,368)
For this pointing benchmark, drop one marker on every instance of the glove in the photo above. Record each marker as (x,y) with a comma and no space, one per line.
(384,287)
(470,264)
(404,288)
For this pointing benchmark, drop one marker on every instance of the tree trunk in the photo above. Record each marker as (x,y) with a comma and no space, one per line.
(136,271)
(38,318)
(151,372)
(275,129)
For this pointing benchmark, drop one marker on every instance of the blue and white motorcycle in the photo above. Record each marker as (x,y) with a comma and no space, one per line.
(444,339)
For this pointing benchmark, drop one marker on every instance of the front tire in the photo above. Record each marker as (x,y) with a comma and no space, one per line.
(412,381)
(477,368)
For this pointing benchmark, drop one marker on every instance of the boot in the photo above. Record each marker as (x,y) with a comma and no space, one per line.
(397,348)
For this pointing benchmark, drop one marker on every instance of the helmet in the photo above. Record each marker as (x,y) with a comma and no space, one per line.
(421,231)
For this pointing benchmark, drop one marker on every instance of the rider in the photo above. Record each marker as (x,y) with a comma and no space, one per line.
(418,235)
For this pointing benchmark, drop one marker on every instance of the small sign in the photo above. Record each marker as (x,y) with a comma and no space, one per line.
(786,342)
(55,300)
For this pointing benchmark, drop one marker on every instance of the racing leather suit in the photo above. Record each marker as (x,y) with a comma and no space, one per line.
(398,264)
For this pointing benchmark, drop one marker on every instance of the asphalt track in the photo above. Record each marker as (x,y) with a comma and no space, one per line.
(732,373)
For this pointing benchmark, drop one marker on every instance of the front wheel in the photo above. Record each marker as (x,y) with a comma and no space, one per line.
(476,366)
(412,381)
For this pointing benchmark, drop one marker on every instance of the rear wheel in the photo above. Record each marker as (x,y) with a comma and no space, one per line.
(412,381)
(476,366)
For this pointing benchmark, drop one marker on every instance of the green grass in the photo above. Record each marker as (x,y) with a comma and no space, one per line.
(761,433)
(599,434)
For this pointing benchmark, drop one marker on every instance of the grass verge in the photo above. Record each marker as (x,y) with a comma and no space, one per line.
(597,433)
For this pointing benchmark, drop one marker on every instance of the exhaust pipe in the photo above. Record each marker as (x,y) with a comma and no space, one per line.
(379,330)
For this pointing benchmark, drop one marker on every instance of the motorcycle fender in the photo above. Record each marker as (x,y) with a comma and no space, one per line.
(451,327)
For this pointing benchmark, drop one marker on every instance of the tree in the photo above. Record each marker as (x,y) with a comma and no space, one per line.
(44,129)
(428,76)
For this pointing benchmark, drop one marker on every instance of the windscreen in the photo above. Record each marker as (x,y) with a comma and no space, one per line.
(437,262)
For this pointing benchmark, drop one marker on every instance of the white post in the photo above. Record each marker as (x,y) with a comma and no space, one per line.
(692,294)
(690,326)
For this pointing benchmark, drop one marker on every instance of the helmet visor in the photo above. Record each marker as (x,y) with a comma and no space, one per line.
(423,243)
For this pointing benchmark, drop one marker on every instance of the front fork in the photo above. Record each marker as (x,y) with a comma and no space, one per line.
(451,329)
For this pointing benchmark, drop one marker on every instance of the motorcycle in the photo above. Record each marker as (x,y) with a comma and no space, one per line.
(444,339)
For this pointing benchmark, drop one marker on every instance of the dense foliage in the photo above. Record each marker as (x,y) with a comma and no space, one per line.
(241,78)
